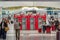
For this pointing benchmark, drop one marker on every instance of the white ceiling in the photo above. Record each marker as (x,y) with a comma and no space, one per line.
(22,3)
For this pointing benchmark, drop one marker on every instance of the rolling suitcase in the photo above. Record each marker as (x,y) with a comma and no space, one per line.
(40,30)
(58,35)
(48,29)
(53,28)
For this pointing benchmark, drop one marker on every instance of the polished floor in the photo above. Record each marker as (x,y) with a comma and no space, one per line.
(29,35)
(29,0)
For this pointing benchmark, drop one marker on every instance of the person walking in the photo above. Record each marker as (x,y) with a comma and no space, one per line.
(17,28)
(58,33)
(0,30)
(44,26)
(56,23)
(9,19)
(4,25)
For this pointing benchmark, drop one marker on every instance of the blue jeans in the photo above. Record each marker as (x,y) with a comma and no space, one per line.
(44,28)
(3,33)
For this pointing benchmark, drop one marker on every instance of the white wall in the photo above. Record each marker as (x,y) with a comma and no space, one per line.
(22,3)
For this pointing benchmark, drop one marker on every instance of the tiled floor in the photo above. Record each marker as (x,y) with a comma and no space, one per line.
(29,35)
(30,0)
(38,37)
(26,37)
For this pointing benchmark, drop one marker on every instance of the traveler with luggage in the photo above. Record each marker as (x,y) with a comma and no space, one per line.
(48,26)
(44,26)
(4,28)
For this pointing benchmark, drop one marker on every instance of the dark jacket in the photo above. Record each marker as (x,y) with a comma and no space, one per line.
(56,23)
(5,24)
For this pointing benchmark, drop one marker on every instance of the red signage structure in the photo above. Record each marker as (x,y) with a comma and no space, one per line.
(28,22)
(28,17)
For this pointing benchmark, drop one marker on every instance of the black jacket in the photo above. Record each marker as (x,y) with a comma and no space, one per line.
(5,24)
(56,22)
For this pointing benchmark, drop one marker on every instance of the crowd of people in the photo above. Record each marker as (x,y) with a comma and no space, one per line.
(4,27)
(52,22)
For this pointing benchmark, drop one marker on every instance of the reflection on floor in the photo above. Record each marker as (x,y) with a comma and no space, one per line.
(29,35)
(30,0)
(34,35)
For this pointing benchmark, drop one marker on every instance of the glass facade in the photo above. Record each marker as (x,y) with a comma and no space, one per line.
(23,23)
(32,23)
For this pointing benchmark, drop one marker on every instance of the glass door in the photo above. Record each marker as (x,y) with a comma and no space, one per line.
(23,23)
(32,23)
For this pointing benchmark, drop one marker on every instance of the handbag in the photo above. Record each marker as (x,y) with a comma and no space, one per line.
(6,29)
